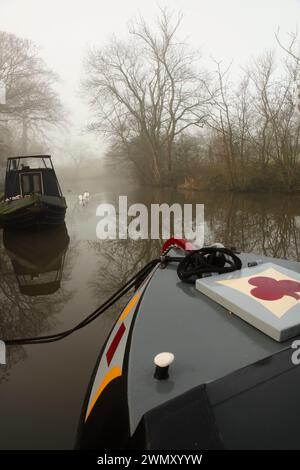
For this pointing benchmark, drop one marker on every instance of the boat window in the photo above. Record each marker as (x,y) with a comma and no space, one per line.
(37,187)
(25,184)
(31,183)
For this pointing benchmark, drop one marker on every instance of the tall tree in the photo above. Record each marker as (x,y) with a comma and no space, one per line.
(145,92)
(278,123)
(31,100)
(229,118)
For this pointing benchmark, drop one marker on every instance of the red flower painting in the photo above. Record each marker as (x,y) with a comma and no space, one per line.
(267,288)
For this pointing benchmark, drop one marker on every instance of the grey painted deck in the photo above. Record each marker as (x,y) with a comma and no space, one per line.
(207,341)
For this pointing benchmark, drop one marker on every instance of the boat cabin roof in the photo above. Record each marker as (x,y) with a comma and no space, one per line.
(29,156)
(29,174)
(17,162)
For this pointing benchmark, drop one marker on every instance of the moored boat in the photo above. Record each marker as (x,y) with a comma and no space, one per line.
(32,195)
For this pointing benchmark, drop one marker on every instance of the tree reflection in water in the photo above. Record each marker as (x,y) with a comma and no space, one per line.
(92,271)
(31,292)
(119,260)
(263,224)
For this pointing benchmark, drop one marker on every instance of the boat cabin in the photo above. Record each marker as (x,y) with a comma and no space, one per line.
(27,175)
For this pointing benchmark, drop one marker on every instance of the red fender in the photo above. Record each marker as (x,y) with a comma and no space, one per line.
(181,243)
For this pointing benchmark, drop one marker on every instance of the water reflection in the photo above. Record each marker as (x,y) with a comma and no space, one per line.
(31,292)
(119,260)
(37,259)
(264,224)
(85,271)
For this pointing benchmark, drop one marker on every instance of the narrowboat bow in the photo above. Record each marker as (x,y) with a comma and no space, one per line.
(230,384)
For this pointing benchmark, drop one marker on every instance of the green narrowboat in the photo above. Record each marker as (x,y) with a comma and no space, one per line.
(32,194)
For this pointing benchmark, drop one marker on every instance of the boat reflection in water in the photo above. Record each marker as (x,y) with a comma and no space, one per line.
(37,258)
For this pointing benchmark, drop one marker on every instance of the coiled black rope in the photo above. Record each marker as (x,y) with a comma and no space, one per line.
(205,261)
(137,279)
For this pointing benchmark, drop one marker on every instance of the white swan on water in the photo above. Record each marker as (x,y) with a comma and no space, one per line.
(84,198)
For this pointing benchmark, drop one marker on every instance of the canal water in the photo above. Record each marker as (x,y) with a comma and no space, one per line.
(51,280)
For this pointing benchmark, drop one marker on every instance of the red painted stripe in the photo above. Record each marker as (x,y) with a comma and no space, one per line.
(114,344)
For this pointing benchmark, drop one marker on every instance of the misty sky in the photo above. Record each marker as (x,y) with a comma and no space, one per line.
(226,29)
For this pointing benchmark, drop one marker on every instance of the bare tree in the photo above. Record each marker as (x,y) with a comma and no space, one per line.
(262,132)
(292,47)
(277,124)
(259,123)
(145,92)
(31,100)
(229,118)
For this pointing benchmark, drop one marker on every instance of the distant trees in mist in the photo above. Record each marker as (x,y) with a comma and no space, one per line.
(149,95)
(32,103)
(255,126)
(168,119)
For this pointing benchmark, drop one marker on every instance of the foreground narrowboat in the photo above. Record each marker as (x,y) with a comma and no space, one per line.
(221,381)
(32,194)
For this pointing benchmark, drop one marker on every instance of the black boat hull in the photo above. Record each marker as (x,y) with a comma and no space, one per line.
(39,212)
(49,217)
